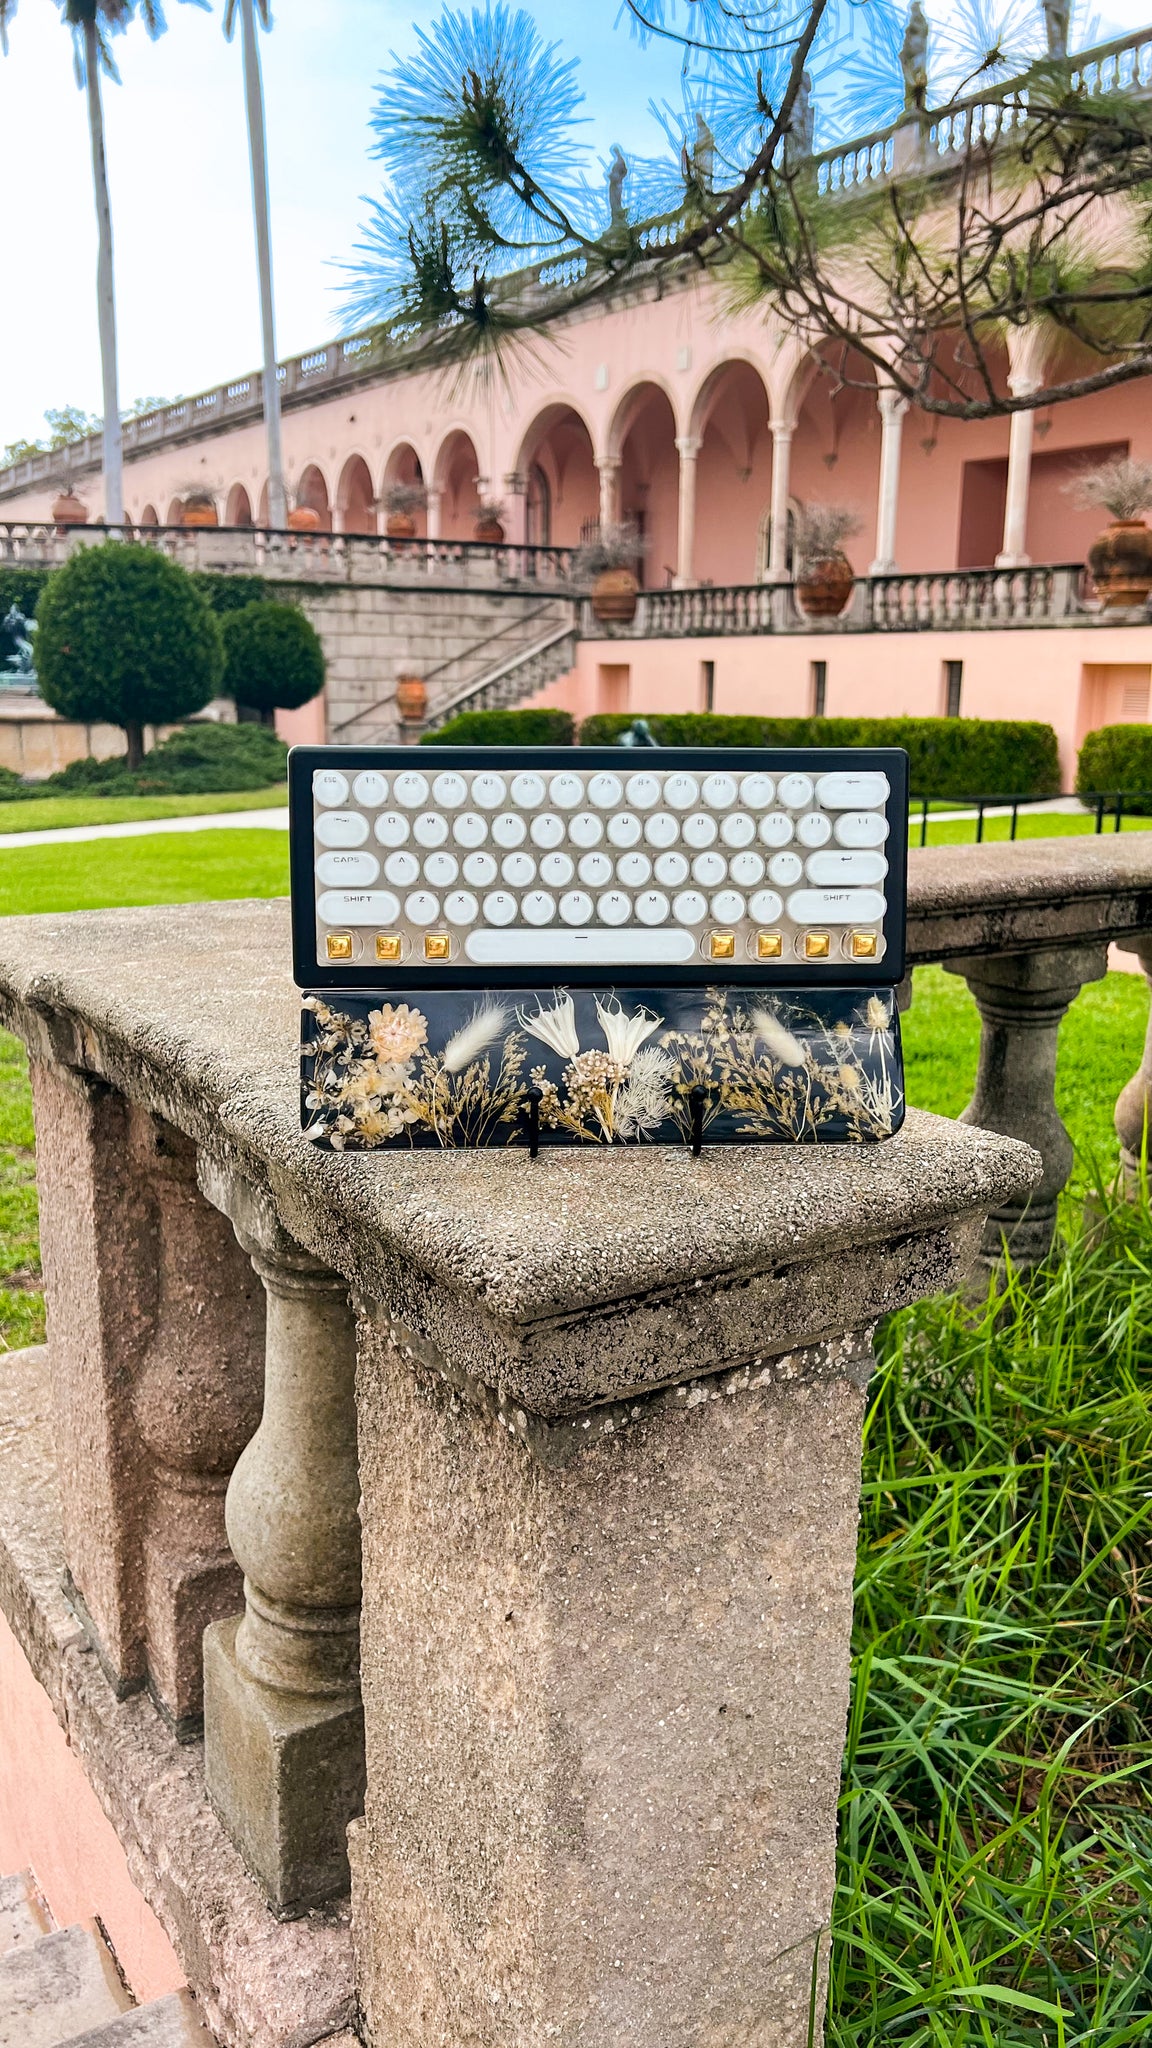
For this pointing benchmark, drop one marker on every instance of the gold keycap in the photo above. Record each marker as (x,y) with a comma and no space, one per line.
(817,945)
(863,945)
(769,945)
(437,946)
(339,945)
(722,945)
(388,945)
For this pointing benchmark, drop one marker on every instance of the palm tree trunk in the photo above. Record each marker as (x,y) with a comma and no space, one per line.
(258,152)
(105,287)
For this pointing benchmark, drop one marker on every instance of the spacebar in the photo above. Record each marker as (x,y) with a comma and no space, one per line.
(605,948)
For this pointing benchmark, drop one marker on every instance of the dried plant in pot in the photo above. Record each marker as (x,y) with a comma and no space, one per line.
(489,527)
(609,563)
(1121,559)
(199,509)
(824,575)
(69,510)
(401,504)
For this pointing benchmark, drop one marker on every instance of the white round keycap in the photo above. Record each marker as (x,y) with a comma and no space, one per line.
(633,869)
(518,870)
(795,791)
(469,829)
(575,907)
(347,870)
(643,791)
(566,791)
(595,869)
(461,907)
(341,828)
(402,869)
(585,829)
(329,787)
(489,791)
(624,829)
(719,791)
(765,906)
(661,829)
(738,829)
(681,791)
(814,829)
(785,868)
(430,829)
(861,828)
(451,791)
(479,869)
(371,789)
(391,828)
(699,829)
(509,829)
(775,829)
(746,869)
(757,791)
(410,789)
(499,908)
(556,869)
(421,907)
(728,906)
(652,907)
(671,869)
(605,791)
(441,870)
(547,829)
(538,907)
(614,907)
(528,790)
(689,907)
(359,907)
(710,869)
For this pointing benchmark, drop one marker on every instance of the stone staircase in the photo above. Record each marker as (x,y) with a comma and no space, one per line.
(518,675)
(60,1987)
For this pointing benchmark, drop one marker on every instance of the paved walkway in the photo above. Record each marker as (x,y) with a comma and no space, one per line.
(137,828)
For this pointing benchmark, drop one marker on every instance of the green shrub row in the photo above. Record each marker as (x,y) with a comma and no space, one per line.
(1115,759)
(538,728)
(202,759)
(23,588)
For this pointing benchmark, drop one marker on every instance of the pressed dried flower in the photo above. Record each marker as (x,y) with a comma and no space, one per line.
(778,1039)
(555,1027)
(625,1035)
(474,1037)
(397,1034)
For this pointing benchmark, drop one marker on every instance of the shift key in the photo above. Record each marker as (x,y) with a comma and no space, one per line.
(836,906)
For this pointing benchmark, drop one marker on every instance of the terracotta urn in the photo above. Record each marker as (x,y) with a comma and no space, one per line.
(824,588)
(488,530)
(302,519)
(615,594)
(68,510)
(411,698)
(199,512)
(400,526)
(1121,564)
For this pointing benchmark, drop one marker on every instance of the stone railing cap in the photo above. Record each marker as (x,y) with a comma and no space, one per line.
(190,1008)
(1019,896)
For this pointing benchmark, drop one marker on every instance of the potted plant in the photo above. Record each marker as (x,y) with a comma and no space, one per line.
(411,698)
(199,509)
(489,526)
(402,502)
(824,575)
(1121,559)
(303,519)
(69,511)
(609,562)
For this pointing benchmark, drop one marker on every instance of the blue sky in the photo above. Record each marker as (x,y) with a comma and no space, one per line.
(178,166)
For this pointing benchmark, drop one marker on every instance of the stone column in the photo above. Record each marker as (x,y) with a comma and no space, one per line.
(283,1728)
(608,467)
(688,449)
(516,508)
(1133,1117)
(782,432)
(1021,998)
(433,511)
(892,411)
(1013,554)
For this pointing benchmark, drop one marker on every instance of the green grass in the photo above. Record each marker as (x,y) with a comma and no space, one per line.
(48,813)
(1029,825)
(163,867)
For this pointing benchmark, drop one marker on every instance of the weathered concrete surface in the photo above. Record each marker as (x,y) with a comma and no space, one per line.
(64,1985)
(166,2023)
(1015,896)
(23,1914)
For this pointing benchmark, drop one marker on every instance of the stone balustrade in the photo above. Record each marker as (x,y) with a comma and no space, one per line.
(604,1437)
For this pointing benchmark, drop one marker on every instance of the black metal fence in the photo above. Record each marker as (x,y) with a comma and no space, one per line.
(1106,808)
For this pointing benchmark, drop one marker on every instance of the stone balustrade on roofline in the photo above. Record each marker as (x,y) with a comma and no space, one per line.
(926,143)
(542,1364)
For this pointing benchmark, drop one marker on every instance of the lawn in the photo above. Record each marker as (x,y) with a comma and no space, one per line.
(161,867)
(1029,825)
(49,813)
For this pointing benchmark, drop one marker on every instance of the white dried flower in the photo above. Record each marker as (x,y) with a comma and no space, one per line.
(474,1037)
(555,1027)
(643,1101)
(625,1035)
(778,1039)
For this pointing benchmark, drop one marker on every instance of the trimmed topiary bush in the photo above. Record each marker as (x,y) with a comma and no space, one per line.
(948,757)
(125,636)
(1115,760)
(203,758)
(538,728)
(272,657)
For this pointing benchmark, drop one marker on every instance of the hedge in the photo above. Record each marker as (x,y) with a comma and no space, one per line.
(948,757)
(23,587)
(1116,759)
(505,729)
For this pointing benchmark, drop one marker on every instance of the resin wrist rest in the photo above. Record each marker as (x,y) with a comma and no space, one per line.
(615,1066)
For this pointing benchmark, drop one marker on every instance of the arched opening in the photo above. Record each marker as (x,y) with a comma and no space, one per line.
(149,517)
(836,446)
(648,493)
(456,475)
(563,488)
(238,511)
(356,497)
(312,491)
(175,512)
(733,473)
(402,490)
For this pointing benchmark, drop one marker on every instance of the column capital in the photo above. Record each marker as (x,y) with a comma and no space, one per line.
(607,464)
(892,403)
(1024,384)
(688,446)
(782,430)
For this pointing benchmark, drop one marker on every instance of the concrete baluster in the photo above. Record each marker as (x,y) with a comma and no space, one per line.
(1133,1117)
(1022,998)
